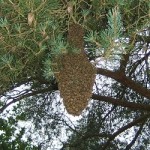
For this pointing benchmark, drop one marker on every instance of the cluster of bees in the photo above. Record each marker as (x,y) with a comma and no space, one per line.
(77,75)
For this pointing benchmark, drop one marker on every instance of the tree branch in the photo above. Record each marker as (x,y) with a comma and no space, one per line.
(26,95)
(120,77)
(110,111)
(135,138)
(135,65)
(145,39)
(123,62)
(131,124)
(123,103)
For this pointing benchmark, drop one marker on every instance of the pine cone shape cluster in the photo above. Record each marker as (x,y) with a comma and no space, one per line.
(76,76)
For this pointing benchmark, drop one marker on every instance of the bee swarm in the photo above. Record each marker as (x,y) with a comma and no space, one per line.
(77,75)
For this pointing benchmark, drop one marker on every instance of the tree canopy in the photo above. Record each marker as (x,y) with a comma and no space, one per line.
(73,46)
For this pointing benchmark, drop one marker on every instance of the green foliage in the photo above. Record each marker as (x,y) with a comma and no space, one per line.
(28,45)
(33,34)
(92,37)
(59,46)
(8,139)
(48,70)
(107,38)
(21,43)
(115,27)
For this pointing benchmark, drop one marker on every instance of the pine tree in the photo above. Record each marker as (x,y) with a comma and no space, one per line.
(47,45)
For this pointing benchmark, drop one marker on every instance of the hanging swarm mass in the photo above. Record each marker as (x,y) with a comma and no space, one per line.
(75,36)
(77,75)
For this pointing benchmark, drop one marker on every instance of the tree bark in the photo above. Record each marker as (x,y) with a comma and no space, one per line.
(126,81)
(123,103)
